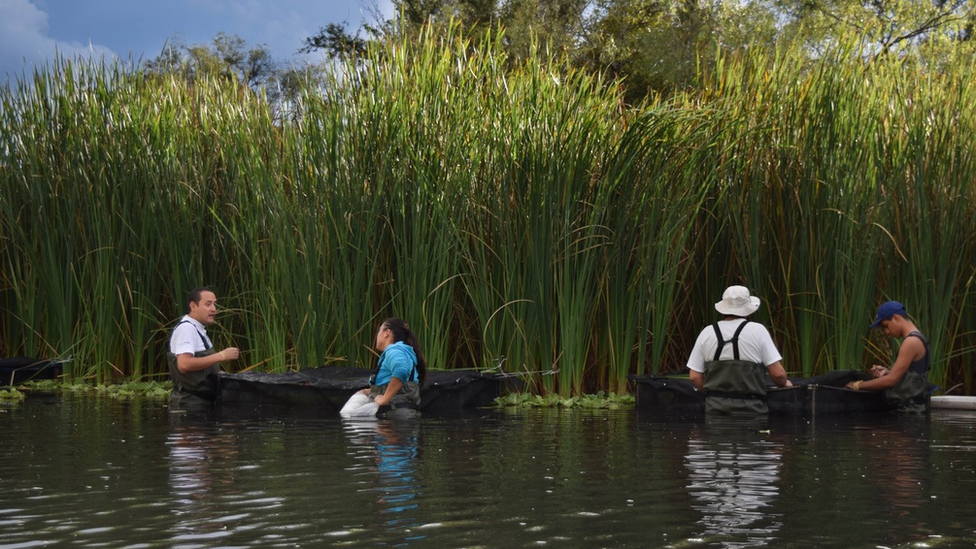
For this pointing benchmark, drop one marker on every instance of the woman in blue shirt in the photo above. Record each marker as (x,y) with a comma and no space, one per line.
(400,371)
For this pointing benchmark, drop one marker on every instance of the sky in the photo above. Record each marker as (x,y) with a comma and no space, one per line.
(31,31)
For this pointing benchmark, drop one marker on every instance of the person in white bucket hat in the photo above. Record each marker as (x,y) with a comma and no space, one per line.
(731,358)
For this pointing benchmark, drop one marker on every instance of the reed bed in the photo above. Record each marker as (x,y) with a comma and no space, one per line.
(518,217)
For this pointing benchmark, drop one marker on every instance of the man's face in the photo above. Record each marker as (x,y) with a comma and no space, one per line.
(885,326)
(892,326)
(204,311)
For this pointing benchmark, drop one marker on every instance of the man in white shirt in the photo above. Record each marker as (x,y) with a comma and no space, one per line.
(731,357)
(193,363)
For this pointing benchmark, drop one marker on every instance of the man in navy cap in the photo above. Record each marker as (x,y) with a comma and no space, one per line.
(905,383)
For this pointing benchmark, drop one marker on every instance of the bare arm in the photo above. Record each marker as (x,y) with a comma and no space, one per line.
(778,374)
(697,378)
(186,362)
(911,349)
(391,389)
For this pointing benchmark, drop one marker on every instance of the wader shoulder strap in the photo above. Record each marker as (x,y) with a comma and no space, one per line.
(206,346)
(376,372)
(734,340)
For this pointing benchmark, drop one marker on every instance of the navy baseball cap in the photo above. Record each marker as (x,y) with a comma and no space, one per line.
(887,310)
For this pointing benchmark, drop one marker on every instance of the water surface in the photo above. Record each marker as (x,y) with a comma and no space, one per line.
(86,472)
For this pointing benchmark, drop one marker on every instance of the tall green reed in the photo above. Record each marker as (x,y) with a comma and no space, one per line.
(517,213)
(930,209)
(841,134)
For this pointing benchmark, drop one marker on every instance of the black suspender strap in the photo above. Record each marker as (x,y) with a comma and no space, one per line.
(379,364)
(206,346)
(734,340)
(376,372)
(721,342)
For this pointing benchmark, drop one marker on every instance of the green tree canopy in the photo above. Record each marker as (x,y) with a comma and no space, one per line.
(655,46)
(227,55)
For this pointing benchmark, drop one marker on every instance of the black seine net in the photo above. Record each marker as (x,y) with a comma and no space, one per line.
(818,395)
(329,387)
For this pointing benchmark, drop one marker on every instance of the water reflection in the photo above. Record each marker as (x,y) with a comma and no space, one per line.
(198,454)
(393,449)
(734,468)
(86,474)
(897,467)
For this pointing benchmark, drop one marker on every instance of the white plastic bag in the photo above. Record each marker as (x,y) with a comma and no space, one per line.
(359,405)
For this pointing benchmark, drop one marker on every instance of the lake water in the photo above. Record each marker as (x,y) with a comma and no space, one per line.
(86,472)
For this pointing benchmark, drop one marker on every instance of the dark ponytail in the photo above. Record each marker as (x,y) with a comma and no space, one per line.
(402,332)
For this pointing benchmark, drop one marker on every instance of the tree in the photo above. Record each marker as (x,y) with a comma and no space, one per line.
(252,66)
(559,25)
(654,46)
(899,27)
(336,42)
(228,55)
(650,45)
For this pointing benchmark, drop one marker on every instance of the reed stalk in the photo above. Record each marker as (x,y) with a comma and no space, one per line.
(513,213)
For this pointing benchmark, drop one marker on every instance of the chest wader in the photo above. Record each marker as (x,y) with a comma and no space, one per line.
(404,405)
(734,386)
(909,395)
(194,390)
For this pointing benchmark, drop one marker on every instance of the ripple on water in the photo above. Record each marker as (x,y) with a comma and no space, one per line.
(554,478)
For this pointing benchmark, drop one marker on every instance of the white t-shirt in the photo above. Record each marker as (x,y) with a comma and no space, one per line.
(755,345)
(186,337)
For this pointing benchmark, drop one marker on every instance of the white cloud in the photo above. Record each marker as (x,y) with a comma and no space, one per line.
(25,43)
(33,31)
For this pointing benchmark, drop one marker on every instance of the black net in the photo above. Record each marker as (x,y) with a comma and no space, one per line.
(328,388)
(19,369)
(818,395)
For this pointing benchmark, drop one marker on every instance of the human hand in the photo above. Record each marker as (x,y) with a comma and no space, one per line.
(788,383)
(230,353)
(878,370)
(365,392)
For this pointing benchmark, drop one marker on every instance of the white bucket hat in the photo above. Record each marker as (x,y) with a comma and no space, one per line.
(737,301)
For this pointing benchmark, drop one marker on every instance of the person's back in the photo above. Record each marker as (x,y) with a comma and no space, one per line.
(731,358)
(735,380)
